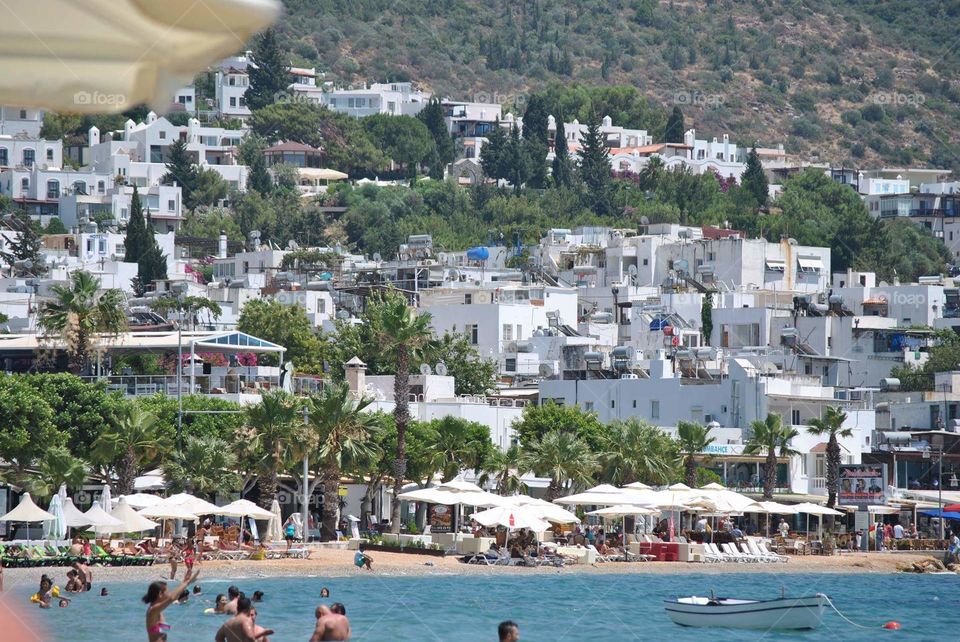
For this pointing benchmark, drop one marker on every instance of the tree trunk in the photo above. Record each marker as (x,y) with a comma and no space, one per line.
(833,470)
(331,503)
(770,474)
(401,417)
(690,466)
(126,473)
(269,482)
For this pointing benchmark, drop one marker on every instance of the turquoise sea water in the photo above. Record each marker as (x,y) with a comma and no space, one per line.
(548,608)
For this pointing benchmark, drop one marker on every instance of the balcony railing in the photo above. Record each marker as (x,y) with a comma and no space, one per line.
(212,385)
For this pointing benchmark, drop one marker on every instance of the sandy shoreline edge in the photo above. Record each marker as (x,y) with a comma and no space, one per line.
(339,563)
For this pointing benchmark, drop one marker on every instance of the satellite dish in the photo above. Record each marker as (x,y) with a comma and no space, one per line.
(441,369)
(425,370)
(632,270)
(377,257)
(546,370)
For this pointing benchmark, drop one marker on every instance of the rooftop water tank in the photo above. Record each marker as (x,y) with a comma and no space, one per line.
(478,254)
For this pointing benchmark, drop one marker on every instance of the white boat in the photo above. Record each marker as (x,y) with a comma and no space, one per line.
(781,613)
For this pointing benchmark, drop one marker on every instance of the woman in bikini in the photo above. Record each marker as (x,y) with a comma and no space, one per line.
(159,598)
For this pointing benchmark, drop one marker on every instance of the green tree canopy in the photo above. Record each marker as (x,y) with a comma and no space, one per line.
(285,325)
(269,73)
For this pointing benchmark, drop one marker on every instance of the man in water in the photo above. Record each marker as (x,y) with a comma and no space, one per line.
(332,623)
(86,575)
(233,595)
(242,627)
(508,631)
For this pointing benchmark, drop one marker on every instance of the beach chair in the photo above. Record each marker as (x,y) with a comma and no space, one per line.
(762,545)
(710,555)
(744,548)
(766,557)
(299,553)
(598,556)
(731,553)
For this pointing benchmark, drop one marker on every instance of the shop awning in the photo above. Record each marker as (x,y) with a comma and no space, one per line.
(810,263)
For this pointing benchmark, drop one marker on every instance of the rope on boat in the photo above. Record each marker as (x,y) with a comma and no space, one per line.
(845,618)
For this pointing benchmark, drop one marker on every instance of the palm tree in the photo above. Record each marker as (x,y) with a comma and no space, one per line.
(205,465)
(767,437)
(693,439)
(457,444)
(404,336)
(564,458)
(506,468)
(341,434)
(130,446)
(57,467)
(275,432)
(633,450)
(831,424)
(78,315)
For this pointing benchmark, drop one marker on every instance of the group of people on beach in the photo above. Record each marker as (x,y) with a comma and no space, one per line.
(332,622)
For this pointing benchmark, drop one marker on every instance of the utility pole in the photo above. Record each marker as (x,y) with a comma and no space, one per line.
(306,480)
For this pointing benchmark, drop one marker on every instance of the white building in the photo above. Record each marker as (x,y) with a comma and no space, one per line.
(395,99)
(230,84)
(20,121)
(27,151)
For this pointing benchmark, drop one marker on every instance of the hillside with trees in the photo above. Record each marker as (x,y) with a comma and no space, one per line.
(856,82)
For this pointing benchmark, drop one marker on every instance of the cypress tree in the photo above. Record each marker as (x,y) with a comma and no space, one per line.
(181,171)
(675,128)
(493,153)
(269,73)
(754,179)
(535,119)
(152,264)
(595,167)
(516,161)
(433,117)
(561,156)
(138,238)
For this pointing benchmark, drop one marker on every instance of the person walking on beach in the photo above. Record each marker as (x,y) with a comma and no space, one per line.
(508,631)
(332,623)
(289,531)
(157,599)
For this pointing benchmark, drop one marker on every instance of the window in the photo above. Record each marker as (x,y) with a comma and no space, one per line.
(233,101)
(28,157)
(101,187)
(510,365)
(519,333)
(171,205)
(472,332)
(243,101)
(634,403)
(163,135)
(646,261)
(53,189)
(467,299)
(795,417)
(49,153)
(321,306)
(3,157)
(613,403)
(24,184)
(654,409)
(79,187)
(23,114)
(507,332)
(588,406)
(124,213)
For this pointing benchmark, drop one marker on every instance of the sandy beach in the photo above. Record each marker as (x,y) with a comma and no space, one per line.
(326,562)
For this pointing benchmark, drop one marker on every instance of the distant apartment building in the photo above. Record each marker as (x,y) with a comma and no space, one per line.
(20,121)
(395,99)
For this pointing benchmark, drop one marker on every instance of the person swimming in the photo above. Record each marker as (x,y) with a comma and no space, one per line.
(324,592)
(159,598)
(332,623)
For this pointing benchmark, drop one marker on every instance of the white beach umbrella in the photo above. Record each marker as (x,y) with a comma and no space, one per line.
(543,508)
(108,55)
(104,502)
(139,500)
(638,486)
(274,528)
(511,517)
(245,508)
(72,515)
(191,504)
(27,511)
(815,509)
(623,510)
(169,511)
(99,518)
(131,520)
(56,528)
(771,508)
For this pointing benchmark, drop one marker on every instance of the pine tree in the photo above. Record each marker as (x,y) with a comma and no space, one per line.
(517,164)
(433,117)
(269,73)
(251,155)
(138,239)
(754,179)
(493,152)
(561,156)
(675,127)
(595,167)
(181,171)
(152,264)
(535,144)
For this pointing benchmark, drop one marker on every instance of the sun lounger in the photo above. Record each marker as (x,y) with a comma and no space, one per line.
(762,546)
(724,554)
(737,554)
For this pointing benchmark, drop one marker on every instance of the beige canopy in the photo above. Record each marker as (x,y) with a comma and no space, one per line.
(99,56)
(26,511)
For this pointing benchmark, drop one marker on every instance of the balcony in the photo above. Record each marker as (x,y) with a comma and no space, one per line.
(934,212)
(241,388)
